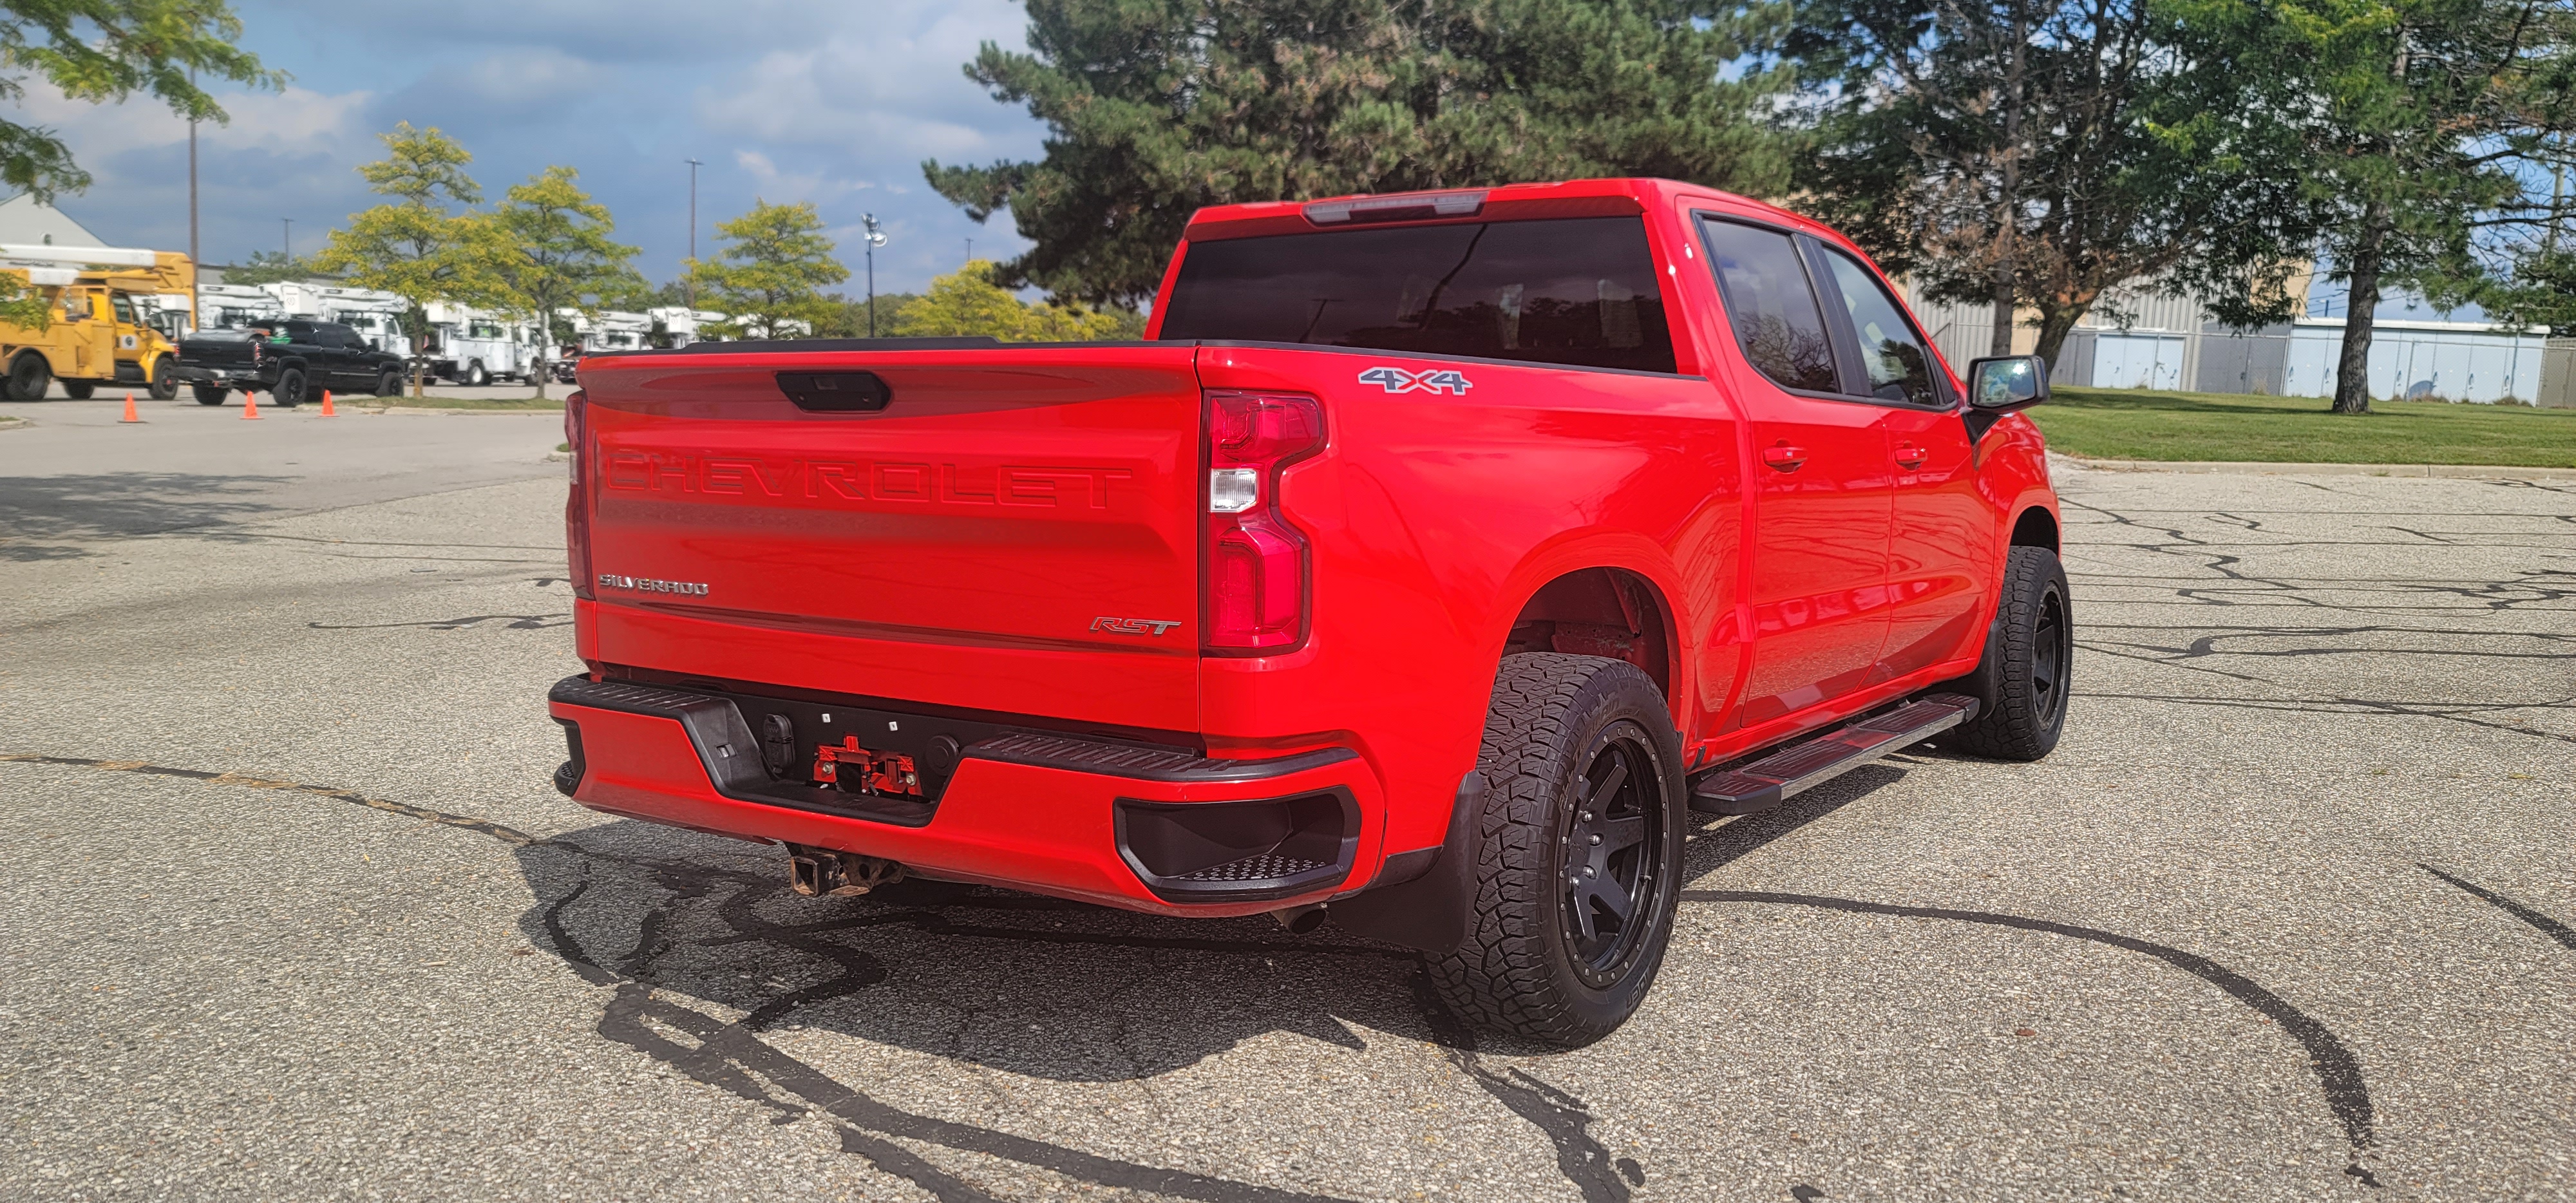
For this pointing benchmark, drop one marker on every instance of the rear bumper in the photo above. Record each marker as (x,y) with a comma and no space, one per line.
(1145,828)
(230,377)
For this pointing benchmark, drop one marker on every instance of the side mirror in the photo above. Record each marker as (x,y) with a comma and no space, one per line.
(2007,382)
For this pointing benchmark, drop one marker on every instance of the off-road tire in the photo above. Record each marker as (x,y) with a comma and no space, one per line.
(210,394)
(165,380)
(80,390)
(290,388)
(1552,718)
(2022,684)
(29,377)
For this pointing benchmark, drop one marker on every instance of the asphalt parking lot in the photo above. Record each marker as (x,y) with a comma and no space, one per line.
(291,910)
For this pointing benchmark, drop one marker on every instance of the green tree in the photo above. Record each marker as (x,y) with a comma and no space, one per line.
(550,249)
(2042,152)
(415,246)
(967,301)
(1156,109)
(769,283)
(273,267)
(2440,123)
(102,51)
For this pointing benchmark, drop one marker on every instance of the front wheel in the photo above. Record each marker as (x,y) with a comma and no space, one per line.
(210,394)
(2022,684)
(288,392)
(165,380)
(1580,854)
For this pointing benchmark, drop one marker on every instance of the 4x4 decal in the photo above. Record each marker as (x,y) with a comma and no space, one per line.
(1429,380)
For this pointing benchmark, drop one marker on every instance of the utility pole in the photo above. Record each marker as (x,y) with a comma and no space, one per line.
(970,250)
(289,223)
(875,238)
(193,260)
(689,286)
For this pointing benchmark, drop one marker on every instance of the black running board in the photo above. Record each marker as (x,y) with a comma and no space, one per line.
(1765,783)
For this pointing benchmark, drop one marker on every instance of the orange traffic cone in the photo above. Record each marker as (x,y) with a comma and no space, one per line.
(129,411)
(250,406)
(327,411)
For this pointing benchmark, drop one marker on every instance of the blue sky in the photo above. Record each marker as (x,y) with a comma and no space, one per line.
(787,100)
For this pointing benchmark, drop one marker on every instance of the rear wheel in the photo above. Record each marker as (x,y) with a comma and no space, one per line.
(477,375)
(165,380)
(29,377)
(210,394)
(1580,853)
(80,390)
(2021,686)
(390,384)
(289,389)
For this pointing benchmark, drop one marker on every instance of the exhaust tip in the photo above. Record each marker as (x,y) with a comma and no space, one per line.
(1300,920)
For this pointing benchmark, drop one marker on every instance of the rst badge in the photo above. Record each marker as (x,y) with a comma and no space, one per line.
(1134,626)
(645,584)
(1429,380)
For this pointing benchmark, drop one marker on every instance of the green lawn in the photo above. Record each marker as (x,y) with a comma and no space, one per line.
(2108,423)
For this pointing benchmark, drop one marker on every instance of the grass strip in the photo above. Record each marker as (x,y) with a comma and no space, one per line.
(2150,424)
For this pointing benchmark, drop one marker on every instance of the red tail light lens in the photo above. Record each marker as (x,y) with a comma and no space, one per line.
(577,504)
(1257,568)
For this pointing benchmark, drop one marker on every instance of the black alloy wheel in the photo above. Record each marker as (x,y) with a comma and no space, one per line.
(165,380)
(210,394)
(1577,852)
(390,384)
(289,389)
(1610,842)
(29,377)
(2027,676)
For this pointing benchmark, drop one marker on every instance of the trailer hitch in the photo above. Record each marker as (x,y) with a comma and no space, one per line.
(817,872)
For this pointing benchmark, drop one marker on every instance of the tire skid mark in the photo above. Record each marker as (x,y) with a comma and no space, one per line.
(2458,713)
(2547,926)
(1565,1119)
(731,1056)
(2338,1070)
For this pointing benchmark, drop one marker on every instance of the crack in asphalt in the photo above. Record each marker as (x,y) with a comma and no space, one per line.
(2338,1070)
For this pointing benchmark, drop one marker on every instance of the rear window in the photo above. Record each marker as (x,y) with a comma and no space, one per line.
(1577,291)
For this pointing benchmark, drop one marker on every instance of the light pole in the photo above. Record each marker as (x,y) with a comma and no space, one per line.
(288,223)
(875,239)
(688,284)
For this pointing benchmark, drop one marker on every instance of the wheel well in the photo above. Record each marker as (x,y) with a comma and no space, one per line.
(2035,528)
(1599,612)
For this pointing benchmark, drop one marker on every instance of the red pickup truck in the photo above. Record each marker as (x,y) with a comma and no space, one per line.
(1434,556)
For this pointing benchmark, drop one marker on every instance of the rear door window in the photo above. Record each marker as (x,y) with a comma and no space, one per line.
(1891,352)
(1576,291)
(1771,304)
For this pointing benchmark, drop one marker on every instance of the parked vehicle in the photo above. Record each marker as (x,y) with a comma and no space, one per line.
(1439,553)
(102,302)
(679,325)
(236,307)
(375,317)
(289,361)
(478,346)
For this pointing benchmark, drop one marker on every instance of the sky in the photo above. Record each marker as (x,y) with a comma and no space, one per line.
(783,100)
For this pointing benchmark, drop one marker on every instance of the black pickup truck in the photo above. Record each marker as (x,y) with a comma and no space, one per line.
(288,360)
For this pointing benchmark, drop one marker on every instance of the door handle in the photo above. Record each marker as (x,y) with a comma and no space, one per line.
(1784,457)
(1910,456)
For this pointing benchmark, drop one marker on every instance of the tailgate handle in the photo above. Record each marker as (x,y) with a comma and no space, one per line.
(836,392)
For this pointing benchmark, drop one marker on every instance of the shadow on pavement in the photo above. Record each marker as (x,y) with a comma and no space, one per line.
(69,508)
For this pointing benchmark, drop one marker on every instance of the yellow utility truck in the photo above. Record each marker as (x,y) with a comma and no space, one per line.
(96,332)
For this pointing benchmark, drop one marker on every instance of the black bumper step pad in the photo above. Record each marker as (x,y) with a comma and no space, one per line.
(1765,783)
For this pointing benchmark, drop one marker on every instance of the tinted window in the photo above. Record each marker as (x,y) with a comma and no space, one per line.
(1573,291)
(337,336)
(1899,367)
(1771,305)
(124,308)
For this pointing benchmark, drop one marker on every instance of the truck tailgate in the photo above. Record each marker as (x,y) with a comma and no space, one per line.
(959,548)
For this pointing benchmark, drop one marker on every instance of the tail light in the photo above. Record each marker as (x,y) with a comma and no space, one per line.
(577,504)
(1257,568)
